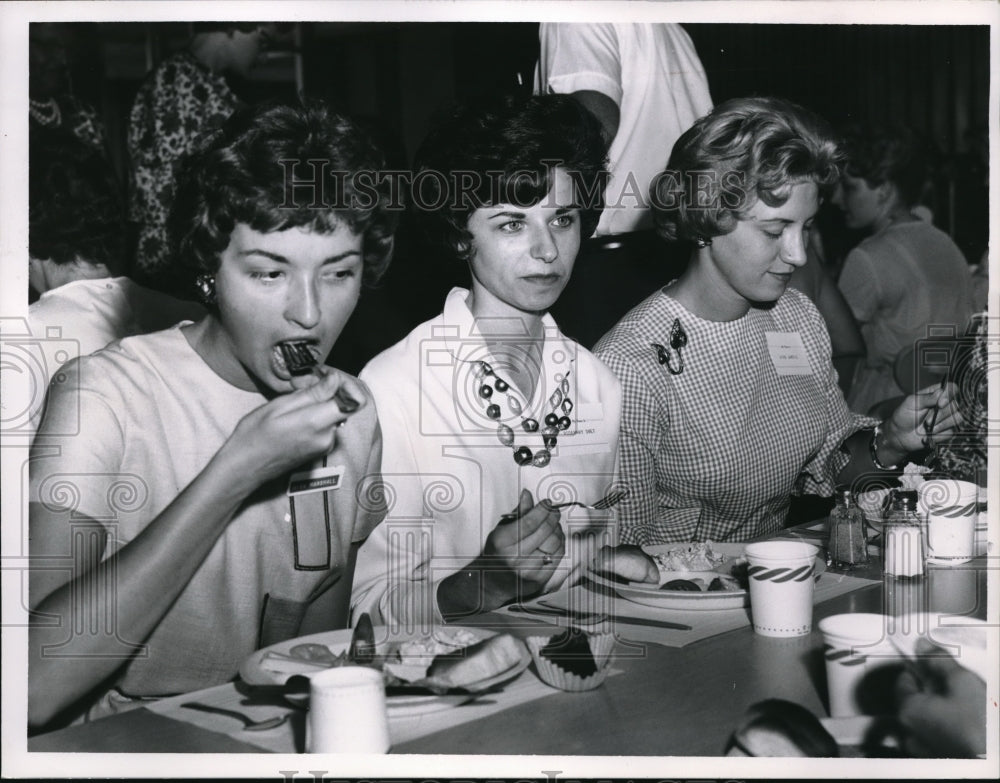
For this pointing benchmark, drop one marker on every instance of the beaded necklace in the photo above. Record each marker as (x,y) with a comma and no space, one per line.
(490,383)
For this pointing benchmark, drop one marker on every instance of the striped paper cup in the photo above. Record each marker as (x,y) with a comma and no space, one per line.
(781,587)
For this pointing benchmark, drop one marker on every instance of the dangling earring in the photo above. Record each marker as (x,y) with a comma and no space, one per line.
(702,241)
(206,288)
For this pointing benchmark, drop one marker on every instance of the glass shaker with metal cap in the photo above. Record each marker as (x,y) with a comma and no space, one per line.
(847,547)
(903,549)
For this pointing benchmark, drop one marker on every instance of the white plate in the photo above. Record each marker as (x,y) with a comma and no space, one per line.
(648,595)
(255,671)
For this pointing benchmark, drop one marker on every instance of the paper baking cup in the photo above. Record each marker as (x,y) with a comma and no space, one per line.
(551,673)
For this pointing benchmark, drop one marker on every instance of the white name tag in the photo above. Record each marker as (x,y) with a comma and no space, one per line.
(788,353)
(316,480)
(583,437)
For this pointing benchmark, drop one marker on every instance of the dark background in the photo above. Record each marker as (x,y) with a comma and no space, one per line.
(398,76)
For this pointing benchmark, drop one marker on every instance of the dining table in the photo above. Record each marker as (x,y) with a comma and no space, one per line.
(670,691)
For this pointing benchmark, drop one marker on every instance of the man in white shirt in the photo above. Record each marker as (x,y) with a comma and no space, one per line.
(646,85)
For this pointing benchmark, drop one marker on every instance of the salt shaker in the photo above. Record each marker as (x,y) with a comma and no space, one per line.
(847,547)
(903,547)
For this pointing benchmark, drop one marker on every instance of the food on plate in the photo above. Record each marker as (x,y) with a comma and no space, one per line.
(690,585)
(689,567)
(572,660)
(439,661)
(478,661)
(317,653)
(689,557)
(441,641)
(570,650)
(729,584)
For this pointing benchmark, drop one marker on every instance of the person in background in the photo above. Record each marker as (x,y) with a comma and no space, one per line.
(730,402)
(489,414)
(184,97)
(813,279)
(172,482)
(646,85)
(52,102)
(76,249)
(907,275)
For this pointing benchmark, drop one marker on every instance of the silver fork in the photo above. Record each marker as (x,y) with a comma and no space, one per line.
(613,498)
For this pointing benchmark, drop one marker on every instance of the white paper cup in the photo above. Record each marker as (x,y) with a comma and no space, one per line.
(853,646)
(950,508)
(347,712)
(781,575)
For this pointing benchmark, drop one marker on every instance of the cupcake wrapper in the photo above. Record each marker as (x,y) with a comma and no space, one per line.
(601,646)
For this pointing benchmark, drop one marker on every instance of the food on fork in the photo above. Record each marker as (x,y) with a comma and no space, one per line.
(299,359)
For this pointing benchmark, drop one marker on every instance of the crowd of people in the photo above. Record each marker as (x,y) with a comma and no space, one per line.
(711,403)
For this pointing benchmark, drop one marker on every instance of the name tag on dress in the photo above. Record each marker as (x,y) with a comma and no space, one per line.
(318,479)
(585,435)
(788,353)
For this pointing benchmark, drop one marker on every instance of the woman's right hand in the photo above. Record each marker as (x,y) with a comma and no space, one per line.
(292,429)
(527,547)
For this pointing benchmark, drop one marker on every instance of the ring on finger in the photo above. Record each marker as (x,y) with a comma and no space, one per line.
(547,559)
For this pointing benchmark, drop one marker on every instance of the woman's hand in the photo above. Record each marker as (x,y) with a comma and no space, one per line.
(944,715)
(928,416)
(628,562)
(292,429)
(519,557)
(528,546)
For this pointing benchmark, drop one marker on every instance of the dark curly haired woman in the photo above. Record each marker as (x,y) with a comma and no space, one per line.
(176,476)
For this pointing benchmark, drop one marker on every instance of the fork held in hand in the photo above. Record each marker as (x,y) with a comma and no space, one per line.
(609,500)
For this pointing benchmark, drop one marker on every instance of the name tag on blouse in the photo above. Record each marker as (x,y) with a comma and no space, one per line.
(788,353)
(320,479)
(585,437)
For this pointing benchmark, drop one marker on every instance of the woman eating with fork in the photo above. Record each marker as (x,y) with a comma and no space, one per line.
(730,399)
(193,493)
(489,414)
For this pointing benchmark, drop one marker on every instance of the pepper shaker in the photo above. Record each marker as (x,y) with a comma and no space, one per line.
(847,547)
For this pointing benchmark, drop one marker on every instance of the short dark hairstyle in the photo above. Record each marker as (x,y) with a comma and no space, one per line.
(759,147)
(881,154)
(75,207)
(507,151)
(250,171)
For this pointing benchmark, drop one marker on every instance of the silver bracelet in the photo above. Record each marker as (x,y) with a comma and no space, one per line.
(873,450)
